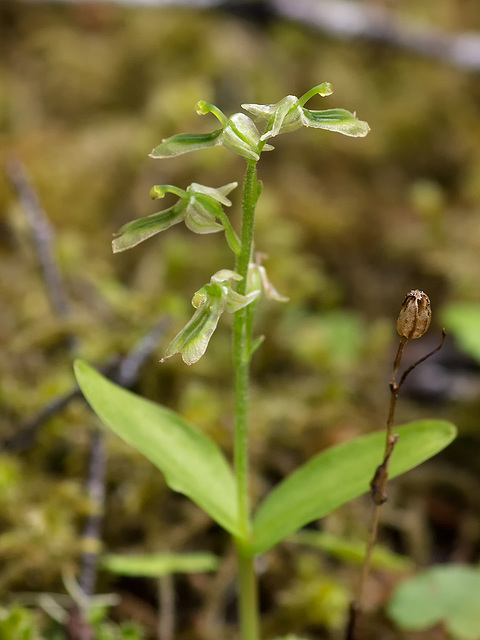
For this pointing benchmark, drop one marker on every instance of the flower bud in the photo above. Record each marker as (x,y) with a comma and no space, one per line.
(415,315)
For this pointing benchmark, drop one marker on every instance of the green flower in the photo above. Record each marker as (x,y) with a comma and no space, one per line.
(198,206)
(289,114)
(241,136)
(210,302)
(238,133)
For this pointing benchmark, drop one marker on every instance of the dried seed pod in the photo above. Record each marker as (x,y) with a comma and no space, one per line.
(415,315)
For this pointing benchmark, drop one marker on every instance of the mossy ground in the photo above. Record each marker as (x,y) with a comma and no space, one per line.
(350,226)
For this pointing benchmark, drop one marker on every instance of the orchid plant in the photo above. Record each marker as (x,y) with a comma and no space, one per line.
(192,462)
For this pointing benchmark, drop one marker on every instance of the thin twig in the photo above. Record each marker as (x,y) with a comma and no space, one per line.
(415,364)
(91,538)
(380,479)
(77,627)
(166,614)
(128,370)
(43,237)
(25,435)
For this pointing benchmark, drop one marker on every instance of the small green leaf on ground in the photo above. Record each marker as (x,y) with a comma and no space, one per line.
(448,594)
(155,565)
(353,550)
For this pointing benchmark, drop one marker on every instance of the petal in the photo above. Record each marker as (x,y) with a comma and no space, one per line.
(199,218)
(218,194)
(224,275)
(264,111)
(241,135)
(236,301)
(225,190)
(286,118)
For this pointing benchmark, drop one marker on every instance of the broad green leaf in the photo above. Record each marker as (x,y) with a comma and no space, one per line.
(191,462)
(353,550)
(448,594)
(185,142)
(154,565)
(340,474)
(463,320)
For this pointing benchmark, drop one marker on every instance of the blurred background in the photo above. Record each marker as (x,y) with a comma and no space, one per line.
(87,89)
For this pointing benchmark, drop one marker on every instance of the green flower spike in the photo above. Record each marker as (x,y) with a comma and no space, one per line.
(198,206)
(238,133)
(210,302)
(289,114)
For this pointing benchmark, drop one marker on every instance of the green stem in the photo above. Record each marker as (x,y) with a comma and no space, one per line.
(250,190)
(241,340)
(247,582)
(240,352)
